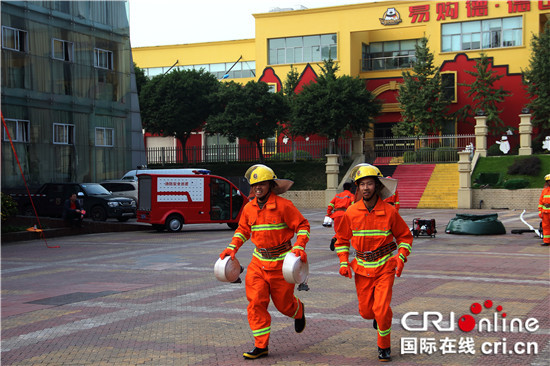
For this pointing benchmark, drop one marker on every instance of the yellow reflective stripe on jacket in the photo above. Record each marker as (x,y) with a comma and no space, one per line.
(231,246)
(342,250)
(374,264)
(404,245)
(259,332)
(303,232)
(280,257)
(240,236)
(266,227)
(371,232)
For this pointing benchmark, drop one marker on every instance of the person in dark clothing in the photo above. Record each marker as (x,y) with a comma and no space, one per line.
(72,212)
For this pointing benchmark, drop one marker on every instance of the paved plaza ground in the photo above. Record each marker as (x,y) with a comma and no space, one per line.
(149,298)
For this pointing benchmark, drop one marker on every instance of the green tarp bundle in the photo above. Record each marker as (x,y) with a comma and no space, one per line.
(475,225)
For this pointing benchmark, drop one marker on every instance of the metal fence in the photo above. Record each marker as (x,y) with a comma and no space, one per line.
(418,149)
(303,150)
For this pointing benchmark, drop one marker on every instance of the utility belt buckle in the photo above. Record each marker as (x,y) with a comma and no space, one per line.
(265,253)
(370,256)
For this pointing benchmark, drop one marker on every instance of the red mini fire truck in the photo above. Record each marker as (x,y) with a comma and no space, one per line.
(168,199)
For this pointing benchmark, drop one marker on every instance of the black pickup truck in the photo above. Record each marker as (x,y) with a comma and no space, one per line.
(98,202)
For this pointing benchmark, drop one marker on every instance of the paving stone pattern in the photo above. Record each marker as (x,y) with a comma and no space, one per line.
(149,298)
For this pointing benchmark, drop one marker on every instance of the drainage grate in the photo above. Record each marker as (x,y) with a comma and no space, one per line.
(71,298)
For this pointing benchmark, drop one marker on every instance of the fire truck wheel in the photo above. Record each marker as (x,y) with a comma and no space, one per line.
(174,223)
(233,225)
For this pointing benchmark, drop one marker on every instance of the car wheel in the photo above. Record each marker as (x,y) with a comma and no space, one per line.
(174,223)
(122,219)
(98,213)
(233,225)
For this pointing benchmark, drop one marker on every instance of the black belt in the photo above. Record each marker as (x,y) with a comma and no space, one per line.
(378,253)
(269,253)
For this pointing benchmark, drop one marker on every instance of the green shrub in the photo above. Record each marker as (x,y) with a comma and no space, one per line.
(494,150)
(516,183)
(525,166)
(445,154)
(9,207)
(409,157)
(425,154)
(491,179)
(300,155)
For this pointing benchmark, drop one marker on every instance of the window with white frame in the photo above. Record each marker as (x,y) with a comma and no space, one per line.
(104,136)
(62,50)
(103,59)
(19,130)
(482,34)
(14,39)
(302,49)
(63,134)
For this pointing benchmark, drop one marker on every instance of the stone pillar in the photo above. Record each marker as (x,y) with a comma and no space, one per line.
(525,131)
(332,169)
(357,145)
(465,180)
(481,135)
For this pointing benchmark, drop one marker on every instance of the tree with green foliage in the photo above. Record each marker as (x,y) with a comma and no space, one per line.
(141,79)
(485,96)
(289,91)
(537,80)
(178,103)
(333,105)
(421,98)
(250,112)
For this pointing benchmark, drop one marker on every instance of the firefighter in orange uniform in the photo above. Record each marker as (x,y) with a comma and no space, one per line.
(270,222)
(337,207)
(544,211)
(393,199)
(375,229)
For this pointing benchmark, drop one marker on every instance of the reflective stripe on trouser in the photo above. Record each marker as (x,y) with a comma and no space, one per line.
(546,227)
(374,295)
(260,284)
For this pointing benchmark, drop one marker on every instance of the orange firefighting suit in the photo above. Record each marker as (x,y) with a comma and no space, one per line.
(544,214)
(338,205)
(368,231)
(393,200)
(269,227)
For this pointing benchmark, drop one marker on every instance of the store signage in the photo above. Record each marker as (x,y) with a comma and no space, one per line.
(450,10)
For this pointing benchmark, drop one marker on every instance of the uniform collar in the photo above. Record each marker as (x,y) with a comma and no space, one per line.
(270,201)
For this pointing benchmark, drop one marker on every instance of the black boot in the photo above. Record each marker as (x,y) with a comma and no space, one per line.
(384,354)
(332,244)
(300,324)
(255,353)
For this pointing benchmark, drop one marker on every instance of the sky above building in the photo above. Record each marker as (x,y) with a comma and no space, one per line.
(168,22)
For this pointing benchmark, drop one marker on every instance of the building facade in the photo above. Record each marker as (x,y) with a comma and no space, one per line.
(376,42)
(67,97)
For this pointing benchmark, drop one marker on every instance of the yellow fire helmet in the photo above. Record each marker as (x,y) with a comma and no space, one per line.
(260,173)
(547,177)
(363,170)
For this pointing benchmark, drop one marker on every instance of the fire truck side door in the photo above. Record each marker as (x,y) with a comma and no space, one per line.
(220,200)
